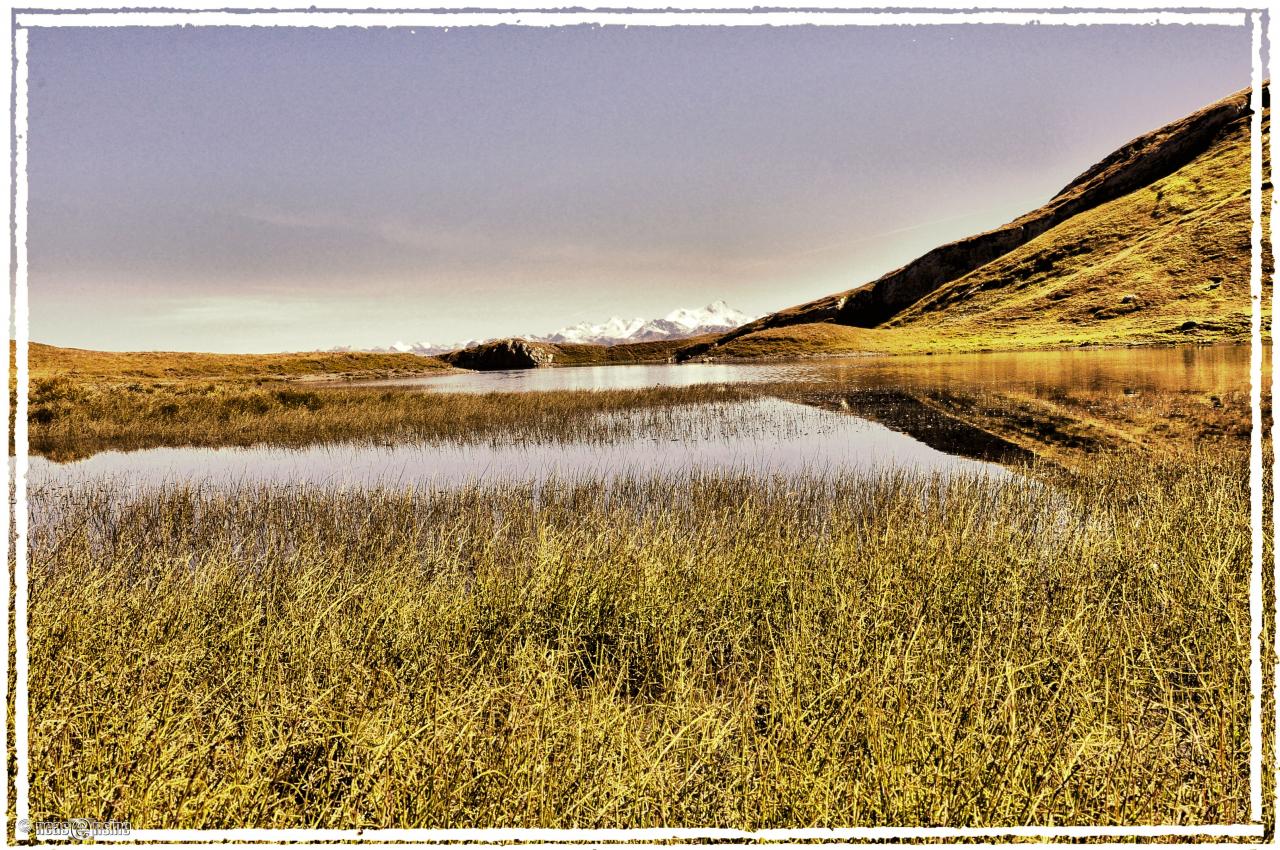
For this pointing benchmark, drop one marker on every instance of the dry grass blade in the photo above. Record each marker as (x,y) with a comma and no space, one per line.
(714,650)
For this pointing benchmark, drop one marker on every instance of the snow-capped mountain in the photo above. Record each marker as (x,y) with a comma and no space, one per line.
(614,329)
(678,324)
(430,348)
(420,347)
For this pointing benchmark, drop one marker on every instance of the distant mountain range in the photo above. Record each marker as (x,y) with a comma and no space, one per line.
(716,317)
(678,324)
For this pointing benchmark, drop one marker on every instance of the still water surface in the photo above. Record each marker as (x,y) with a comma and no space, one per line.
(1190,368)
(763,436)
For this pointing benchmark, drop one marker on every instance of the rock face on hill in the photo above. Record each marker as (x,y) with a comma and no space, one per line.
(1143,162)
(503,354)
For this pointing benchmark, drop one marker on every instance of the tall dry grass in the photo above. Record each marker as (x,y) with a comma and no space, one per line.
(710,651)
(70,420)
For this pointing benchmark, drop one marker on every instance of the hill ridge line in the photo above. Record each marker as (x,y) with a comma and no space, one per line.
(1134,165)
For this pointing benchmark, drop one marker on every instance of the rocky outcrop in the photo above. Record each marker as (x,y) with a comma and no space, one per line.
(1137,164)
(503,354)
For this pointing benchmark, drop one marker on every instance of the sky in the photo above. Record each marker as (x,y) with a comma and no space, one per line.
(282,189)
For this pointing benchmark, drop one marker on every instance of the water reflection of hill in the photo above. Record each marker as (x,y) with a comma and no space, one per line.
(1060,423)
(915,417)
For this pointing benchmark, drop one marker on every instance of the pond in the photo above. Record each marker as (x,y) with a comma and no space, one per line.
(922,414)
(1218,368)
(760,436)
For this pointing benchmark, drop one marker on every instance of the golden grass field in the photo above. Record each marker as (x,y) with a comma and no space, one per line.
(47,361)
(710,651)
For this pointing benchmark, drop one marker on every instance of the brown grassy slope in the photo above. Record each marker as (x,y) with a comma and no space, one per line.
(657,351)
(807,340)
(1179,245)
(48,361)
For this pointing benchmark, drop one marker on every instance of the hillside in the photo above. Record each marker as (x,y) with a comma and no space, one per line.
(50,360)
(1150,245)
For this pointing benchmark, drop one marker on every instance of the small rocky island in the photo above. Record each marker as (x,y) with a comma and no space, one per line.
(503,354)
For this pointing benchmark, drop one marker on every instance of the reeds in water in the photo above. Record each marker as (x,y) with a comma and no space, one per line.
(707,651)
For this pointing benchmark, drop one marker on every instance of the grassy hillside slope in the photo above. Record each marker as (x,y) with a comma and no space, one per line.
(1166,262)
(655,351)
(48,361)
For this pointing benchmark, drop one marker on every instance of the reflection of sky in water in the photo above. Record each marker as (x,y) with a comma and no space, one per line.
(765,436)
(586,378)
(1203,369)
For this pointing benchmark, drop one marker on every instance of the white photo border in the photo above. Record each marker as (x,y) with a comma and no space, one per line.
(332,14)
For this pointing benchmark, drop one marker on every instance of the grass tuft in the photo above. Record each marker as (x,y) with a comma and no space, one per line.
(703,651)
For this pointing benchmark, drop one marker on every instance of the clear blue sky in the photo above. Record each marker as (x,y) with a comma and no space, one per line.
(288,189)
